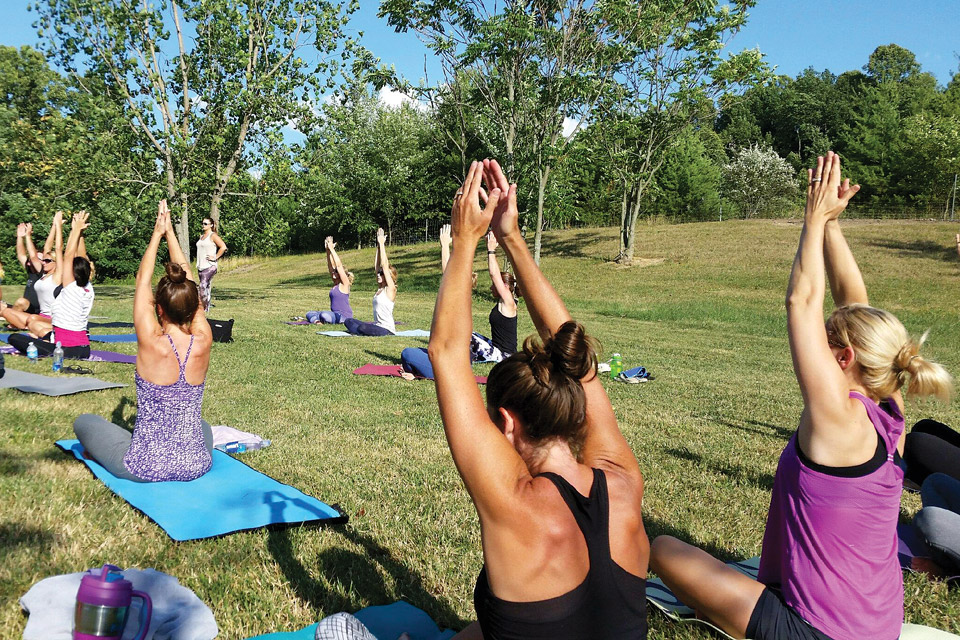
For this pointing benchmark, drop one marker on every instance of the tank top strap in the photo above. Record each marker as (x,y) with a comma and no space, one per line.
(183,365)
(592,512)
(886,419)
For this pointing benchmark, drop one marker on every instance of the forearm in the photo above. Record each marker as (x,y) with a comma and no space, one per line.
(445,256)
(73,244)
(58,244)
(82,248)
(48,244)
(546,308)
(176,254)
(21,251)
(452,318)
(806,288)
(846,281)
(149,262)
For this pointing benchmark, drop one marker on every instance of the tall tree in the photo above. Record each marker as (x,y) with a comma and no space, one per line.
(200,79)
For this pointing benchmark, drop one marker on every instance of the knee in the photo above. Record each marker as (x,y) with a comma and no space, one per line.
(663,550)
(22,304)
(83,423)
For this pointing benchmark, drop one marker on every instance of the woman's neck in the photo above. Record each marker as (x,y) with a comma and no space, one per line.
(554,457)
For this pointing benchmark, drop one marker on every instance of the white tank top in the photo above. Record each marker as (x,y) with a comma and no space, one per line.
(44,288)
(383,311)
(206,246)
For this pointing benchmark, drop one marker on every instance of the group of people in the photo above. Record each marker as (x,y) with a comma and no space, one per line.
(557,489)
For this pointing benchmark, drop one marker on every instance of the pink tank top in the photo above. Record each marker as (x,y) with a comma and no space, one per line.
(831,541)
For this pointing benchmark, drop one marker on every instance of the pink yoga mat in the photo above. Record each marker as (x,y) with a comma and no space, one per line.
(394,370)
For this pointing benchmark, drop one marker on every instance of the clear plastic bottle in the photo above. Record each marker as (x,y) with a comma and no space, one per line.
(616,365)
(32,352)
(58,358)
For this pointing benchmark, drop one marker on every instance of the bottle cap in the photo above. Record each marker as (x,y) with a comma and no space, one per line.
(58,344)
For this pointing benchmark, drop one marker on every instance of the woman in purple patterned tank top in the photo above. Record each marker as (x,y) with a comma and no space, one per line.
(170,441)
(829,565)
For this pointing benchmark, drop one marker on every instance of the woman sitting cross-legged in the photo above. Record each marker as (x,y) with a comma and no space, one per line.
(383,300)
(340,308)
(829,565)
(170,441)
(70,309)
(555,485)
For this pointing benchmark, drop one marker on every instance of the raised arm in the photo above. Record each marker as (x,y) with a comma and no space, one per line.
(820,377)
(144,314)
(604,444)
(336,265)
(57,231)
(503,292)
(384,264)
(48,245)
(490,467)
(846,281)
(445,240)
(77,226)
(173,245)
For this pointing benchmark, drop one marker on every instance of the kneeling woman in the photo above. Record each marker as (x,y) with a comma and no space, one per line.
(555,485)
(170,441)
(829,565)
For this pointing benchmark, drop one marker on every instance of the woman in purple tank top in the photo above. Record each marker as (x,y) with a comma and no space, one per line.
(170,441)
(340,308)
(829,565)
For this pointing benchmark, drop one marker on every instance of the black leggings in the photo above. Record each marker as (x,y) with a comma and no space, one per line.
(21,341)
(931,447)
(358,328)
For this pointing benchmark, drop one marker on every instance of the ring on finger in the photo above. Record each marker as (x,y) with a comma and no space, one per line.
(812,180)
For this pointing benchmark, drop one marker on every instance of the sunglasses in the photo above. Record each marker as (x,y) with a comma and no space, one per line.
(46,260)
(207,224)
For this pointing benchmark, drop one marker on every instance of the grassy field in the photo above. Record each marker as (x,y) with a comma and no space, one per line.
(704,312)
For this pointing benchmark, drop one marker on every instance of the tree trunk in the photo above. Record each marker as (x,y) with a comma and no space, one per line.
(183,227)
(541,195)
(624,204)
(628,227)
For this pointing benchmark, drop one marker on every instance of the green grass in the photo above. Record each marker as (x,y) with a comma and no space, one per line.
(705,315)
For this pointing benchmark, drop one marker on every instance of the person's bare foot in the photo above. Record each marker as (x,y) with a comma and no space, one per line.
(406,375)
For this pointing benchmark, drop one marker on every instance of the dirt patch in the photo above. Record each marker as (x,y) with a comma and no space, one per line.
(640,262)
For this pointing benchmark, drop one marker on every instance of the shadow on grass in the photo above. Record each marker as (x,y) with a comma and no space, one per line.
(655,527)
(11,465)
(122,418)
(17,535)
(766,429)
(347,580)
(919,249)
(734,472)
(574,245)
(392,359)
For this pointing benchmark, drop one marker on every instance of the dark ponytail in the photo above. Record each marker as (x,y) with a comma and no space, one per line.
(177,296)
(541,384)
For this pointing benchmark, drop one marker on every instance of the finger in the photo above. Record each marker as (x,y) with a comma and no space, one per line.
(835,171)
(818,172)
(483,196)
(499,175)
(849,193)
(472,184)
(492,203)
(809,182)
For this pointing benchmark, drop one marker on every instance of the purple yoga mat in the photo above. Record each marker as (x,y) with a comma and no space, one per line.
(95,355)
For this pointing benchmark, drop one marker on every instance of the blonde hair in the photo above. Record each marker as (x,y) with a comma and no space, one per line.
(886,353)
(1,271)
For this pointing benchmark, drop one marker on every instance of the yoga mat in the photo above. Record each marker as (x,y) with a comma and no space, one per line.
(55,385)
(409,333)
(111,325)
(95,355)
(663,599)
(394,370)
(298,323)
(386,622)
(230,497)
(114,337)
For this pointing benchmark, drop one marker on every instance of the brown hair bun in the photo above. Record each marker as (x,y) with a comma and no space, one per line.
(175,273)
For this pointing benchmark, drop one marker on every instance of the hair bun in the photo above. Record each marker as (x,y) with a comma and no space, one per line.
(572,352)
(175,273)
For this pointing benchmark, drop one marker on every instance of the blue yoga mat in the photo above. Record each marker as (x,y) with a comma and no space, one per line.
(230,497)
(386,622)
(113,337)
(409,333)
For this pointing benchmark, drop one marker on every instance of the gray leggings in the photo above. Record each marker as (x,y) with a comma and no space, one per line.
(939,520)
(107,443)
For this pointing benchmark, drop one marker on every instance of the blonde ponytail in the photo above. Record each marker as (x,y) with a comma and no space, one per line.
(926,378)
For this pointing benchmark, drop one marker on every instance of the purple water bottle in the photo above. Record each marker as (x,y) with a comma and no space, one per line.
(103,602)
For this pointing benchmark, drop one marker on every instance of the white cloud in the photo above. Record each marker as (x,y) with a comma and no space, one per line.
(393,98)
(569,124)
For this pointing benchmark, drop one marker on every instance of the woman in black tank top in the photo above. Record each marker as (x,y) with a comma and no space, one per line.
(565,552)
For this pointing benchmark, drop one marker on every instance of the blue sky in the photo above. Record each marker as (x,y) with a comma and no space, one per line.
(837,35)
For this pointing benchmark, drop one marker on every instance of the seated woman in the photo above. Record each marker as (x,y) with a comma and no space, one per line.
(931,447)
(383,300)
(503,316)
(42,286)
(555,485)
(829,565)
(340,308)
(170,441)
(71,308)
(939,521)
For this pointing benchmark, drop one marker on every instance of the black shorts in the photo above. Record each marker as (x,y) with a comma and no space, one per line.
(773,619)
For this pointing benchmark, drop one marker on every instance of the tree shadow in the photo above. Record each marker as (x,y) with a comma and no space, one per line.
(767,429)
(574,245)
(735,472)
(123,418)
(116,292)
(11,465)
(919,249)
(656,527)
(392,359)
(346,580)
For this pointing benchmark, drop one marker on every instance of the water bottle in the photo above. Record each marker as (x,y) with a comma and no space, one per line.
(58,358)
(616,366)
(235,447)
(32,352)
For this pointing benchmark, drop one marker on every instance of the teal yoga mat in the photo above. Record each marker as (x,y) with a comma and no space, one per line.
(230,497)
(386,622)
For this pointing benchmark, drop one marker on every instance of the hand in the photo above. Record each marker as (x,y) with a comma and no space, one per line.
(506,218)
(328,242)
(958,238)
(29,227)
(827,196)
(212,257)
(492,243)
(80,220)
(58,217)
(469,221)
(163,219)
(381,236)
(445,235)
(22,230)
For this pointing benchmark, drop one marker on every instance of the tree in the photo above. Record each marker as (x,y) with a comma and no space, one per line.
(529,66)
(674,73)
(200,104)
(757,180)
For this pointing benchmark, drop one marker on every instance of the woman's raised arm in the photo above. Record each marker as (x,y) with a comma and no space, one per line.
(144,315)
(77,226)
(173,245)
(505,295)
(383,263)
(604,443)
(57,231)
(336,265)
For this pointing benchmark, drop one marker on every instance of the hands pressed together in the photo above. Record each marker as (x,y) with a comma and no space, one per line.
(827,195)
(500,214)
